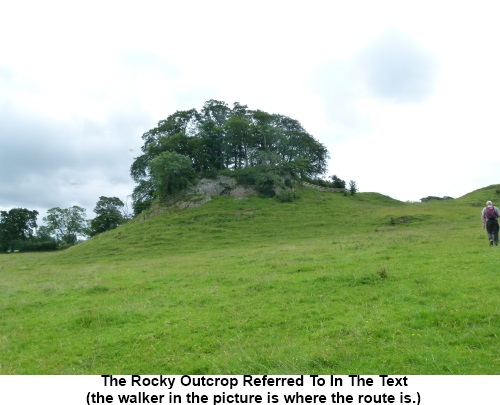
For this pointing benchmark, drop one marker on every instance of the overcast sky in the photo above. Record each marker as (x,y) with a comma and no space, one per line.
(405,95)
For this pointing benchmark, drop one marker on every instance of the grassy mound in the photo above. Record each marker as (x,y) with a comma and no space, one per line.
(328,284)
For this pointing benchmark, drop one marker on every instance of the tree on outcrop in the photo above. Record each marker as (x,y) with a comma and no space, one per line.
(222,138)
(337,182)
(353,188)
(171,172)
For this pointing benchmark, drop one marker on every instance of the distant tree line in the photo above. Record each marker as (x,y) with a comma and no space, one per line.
(218,138)
(62,227)
(431,198)
(335,182)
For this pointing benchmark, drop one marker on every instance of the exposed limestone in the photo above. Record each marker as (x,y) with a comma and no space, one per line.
(221,186)
(194,202)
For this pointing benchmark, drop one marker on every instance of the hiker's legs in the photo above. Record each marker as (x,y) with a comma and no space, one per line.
(490,228)
(495,231)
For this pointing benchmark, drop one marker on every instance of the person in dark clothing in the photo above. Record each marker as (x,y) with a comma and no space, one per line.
(489,217)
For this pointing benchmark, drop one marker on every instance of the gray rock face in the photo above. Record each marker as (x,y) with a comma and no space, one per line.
(222,185)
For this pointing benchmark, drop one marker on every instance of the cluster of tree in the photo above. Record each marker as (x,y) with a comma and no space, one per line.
(335,182)
(431,198)
(18,224)
(202,143)
(61,227)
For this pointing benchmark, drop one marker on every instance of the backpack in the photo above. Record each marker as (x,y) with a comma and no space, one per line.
(490,212)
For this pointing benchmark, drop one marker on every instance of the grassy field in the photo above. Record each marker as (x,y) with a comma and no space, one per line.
(328,284)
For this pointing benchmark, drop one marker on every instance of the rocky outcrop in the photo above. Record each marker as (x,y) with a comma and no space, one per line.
(221,186)
(201,193)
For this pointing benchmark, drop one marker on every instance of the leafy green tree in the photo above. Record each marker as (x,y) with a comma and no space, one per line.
(16,225)
(66,224)
(170,135)
(42,241)
(215,111)
(211,131)
(353,188)
(210,147)
(158,139)
(143,195)
(171,172)
(43,234)
(239,141)
(221,138)
(337,182)
(265,132)
(109,215)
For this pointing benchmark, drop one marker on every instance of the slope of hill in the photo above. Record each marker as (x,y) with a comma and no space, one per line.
(328,284)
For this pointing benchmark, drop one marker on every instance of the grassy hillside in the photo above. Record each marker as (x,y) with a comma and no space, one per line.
(328,284)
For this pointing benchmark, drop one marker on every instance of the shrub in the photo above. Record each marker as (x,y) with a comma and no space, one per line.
(268,184)
(287,195)
(353,189)
(248,176)
(34,245)
(382,272)
(401,220)
(171,172)
(337,182)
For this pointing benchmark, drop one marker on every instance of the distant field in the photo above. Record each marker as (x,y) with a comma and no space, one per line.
(329,284)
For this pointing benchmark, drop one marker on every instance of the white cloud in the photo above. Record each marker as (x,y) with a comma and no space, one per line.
(403,95)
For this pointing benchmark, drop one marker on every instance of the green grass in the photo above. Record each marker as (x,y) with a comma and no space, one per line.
(328,284)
